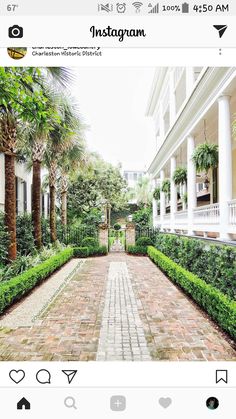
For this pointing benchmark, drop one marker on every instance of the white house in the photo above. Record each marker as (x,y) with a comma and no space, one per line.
(190,105)
(23,190)
(133,177)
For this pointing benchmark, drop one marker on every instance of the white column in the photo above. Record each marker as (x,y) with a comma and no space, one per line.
(184,190)
(192,198)
(154,206)
(225,163)
(162,198)
(173,193)
(189,80)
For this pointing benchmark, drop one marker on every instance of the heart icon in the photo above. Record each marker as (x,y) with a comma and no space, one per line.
(165,402)
(17,375)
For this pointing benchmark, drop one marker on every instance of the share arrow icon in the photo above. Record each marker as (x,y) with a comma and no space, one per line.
(221,29)
(70,375)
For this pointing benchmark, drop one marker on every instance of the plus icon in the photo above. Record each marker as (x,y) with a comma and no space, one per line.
(118,403)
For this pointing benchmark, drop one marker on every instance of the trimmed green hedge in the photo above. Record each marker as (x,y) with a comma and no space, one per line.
(215,264)
(216,304)
(84,252)
(137,250)
(144,241)
(15,288)
(89,242)
(81,252)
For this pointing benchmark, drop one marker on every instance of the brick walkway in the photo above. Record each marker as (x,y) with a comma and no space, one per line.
(122,335)
(78,324)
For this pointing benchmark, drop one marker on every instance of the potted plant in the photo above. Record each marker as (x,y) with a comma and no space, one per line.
(180,176)
(185,198)
(157,194)
(206,157)
(166,187)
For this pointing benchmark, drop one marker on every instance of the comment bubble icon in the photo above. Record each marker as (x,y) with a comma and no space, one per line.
(43,377)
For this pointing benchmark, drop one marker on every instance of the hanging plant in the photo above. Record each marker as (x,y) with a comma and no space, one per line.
(157,194)
(180,176)
(206,157)
(166,187)
(185,198)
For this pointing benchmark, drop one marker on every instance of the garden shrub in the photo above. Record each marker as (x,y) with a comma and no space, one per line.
(221,308)
(4,240)
(81,252)
(215,264)
(144,241)
(101,251)
(98,251)
(45,227)
(137,250)
(15,288)
(117,226)
(143,217)
(22,263)
(24,235)
(89,242)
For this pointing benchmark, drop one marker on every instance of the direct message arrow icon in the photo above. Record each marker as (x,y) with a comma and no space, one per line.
(70,375)
(221,29)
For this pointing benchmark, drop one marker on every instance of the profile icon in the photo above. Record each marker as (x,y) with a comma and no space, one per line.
(212,403)
(17,53)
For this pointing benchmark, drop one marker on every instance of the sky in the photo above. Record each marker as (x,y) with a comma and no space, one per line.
(112,102)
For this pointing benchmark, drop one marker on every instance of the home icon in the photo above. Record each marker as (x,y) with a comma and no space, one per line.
(23,404)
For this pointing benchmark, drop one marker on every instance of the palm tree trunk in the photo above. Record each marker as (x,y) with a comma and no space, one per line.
(64,208)
(10,204)
(36,203)
(53,231)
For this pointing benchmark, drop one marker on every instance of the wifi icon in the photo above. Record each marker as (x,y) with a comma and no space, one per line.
(137,6)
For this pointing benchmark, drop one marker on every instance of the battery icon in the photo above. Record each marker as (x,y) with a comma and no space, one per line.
(185,8)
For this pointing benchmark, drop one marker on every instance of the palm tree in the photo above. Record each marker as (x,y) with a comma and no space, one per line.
(143,192)
(14,88)
(64,150)
(48,85)
(70,161)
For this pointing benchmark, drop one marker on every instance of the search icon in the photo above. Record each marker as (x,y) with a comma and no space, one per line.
(70,402)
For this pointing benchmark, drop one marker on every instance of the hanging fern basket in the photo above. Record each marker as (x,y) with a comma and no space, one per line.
(157,194)
(166,187)
(206,157)
(180,176)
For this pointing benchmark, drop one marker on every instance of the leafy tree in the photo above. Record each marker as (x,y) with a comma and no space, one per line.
(142,217)
(92,186)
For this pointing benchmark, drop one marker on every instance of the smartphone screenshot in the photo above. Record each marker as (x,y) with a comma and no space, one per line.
(118,209)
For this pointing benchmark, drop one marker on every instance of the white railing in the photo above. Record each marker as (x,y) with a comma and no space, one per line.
(166,219)
(232,212)
(208,214)
(181,217)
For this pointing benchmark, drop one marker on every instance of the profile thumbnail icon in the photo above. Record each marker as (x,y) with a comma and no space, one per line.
(212,403)
(17,53)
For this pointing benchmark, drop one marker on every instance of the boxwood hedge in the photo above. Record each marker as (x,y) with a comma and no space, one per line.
(221,308)
(85,251)
(137,250)
(13,289)
(216,264)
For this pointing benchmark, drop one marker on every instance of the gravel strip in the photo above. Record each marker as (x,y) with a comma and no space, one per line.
(31,309)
